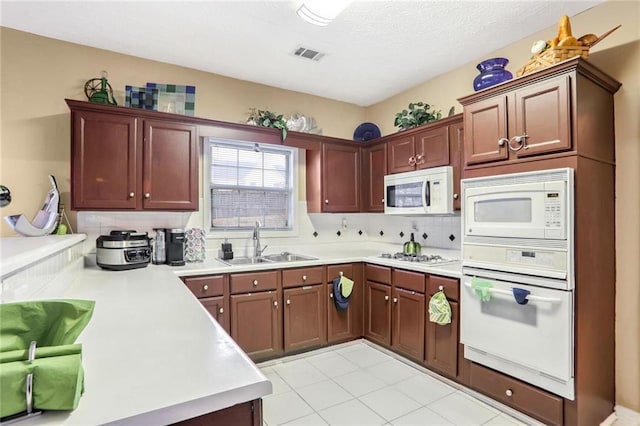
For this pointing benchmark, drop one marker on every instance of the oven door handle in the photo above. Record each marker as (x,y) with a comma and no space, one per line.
(529,297)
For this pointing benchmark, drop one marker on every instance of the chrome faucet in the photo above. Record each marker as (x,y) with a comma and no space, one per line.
(257,251)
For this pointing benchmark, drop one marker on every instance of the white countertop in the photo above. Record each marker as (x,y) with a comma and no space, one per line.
(151,352)
(19,252)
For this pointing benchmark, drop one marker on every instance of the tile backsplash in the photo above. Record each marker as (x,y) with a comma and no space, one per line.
(430,231)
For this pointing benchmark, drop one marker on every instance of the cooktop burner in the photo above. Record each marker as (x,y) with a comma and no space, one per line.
(422,258)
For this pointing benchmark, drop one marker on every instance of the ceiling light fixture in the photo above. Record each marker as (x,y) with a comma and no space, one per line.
(321,12)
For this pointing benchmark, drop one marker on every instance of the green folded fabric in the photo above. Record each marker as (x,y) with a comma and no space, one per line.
(439,309)
(482,288)
(346,286)
(47,322)
(58,380)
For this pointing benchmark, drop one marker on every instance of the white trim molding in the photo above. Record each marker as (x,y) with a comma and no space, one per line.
(622,416)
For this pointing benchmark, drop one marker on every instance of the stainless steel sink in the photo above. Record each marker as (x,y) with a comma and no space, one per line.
(245,261)
(287,257)
(270,258)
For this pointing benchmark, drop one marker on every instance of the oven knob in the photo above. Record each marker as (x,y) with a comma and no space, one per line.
(509,393)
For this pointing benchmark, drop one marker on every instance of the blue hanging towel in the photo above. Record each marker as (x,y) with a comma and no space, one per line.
(342,302)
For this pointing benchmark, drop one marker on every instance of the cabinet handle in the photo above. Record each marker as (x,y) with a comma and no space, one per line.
(412,161)
(509,392)
(455,196)
(132,194)
(288,302)
(395,300)
(255,283)
(275,303)
(304,278)
(503,141)
(386,298)
(330,295)
(221,310)
(205,287)
(382,201)
(326,201)
(420,159)
(147,195)
(522,140)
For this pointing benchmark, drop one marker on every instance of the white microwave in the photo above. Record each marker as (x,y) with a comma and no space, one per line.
(520,223)
(426,191)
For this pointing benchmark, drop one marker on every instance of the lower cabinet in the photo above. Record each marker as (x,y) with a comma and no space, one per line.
(378,313)
(210,291)
(303,313)
(244,414)
(442,341)
(345,324)
(408,313)
(256,317)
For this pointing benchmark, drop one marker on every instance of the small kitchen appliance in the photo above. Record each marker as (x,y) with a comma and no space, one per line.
(159,247)
(123,250)
(175,247)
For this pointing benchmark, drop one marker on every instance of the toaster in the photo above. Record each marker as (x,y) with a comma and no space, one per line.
(122,250)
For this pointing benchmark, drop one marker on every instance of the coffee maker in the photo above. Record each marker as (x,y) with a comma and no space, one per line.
(174,247)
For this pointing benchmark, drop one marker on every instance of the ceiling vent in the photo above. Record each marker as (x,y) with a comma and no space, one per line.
(304,52)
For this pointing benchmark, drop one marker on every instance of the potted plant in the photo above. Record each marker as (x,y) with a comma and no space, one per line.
(267,118)
(417,115)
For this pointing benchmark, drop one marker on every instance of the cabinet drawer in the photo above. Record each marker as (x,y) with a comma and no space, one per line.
(381,274)
(408,280)
(521,396)
(205,286)
(450,286)
(334,271)
(301,276)
(254,281)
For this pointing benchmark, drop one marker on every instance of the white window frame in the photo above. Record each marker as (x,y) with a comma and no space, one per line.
(241,232)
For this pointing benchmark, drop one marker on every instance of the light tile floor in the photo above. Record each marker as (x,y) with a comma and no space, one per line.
(359,383)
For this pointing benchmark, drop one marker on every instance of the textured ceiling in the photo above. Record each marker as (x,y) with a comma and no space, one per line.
(373,50)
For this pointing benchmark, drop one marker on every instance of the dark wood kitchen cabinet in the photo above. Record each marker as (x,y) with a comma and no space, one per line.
(344,325)
(305,323)
(211,292)
(556,111)
(377,304)
(123,161)
(243,414)
(426,148)
(256,313)
(333,178)
(408,313)
(374,167)
(442,342)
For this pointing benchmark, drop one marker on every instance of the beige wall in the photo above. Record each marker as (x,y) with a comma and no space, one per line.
(619,56)
(38,73)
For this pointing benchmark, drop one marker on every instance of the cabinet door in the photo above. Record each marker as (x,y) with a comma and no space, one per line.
(304,317)
(408,323)
(340,178)
(456,142)
(432,148)
(217,309)
(170,172)
(543,113)
(378,313)
(374,167)
(400,151)
(485,122)
(104,172)
(256,323)
(442,344)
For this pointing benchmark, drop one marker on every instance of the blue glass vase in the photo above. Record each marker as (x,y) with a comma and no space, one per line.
(492,72)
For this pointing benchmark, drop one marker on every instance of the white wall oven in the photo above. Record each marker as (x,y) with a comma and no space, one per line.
(517,296)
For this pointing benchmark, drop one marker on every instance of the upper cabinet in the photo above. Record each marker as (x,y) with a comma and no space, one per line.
(374,167)
(333,178)
(419,150)
(557,111)
(123,161)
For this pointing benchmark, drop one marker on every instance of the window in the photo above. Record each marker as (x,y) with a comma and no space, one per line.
(249,183)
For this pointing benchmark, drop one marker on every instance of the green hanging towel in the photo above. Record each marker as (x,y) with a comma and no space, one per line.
(482,288)
(346,286)
(439,309)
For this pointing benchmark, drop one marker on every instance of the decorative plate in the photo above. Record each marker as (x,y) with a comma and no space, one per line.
(366,132)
